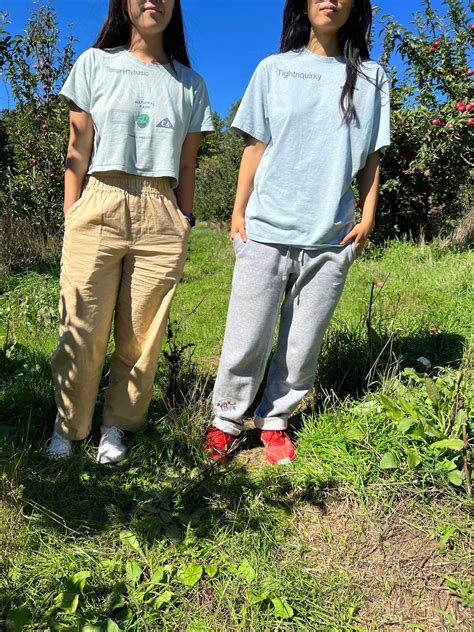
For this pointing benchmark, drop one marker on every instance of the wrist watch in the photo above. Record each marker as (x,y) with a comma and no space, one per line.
(191,219)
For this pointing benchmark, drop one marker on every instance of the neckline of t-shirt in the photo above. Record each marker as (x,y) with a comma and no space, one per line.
(141,63)
(322,58)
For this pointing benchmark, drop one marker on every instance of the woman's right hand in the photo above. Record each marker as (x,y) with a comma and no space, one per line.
(67,205)
(238,226)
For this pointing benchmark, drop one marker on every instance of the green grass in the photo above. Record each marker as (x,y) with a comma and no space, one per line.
(339,541)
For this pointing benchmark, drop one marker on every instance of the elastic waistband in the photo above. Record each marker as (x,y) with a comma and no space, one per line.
(134,185)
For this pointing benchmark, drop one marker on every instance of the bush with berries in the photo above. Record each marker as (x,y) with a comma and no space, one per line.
(428,170)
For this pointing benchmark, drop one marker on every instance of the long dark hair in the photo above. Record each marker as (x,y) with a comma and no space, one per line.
(117,31)
(353,38)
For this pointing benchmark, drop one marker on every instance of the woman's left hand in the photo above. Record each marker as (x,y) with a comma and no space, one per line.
(358,235)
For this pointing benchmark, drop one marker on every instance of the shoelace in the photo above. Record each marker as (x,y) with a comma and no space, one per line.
(114,435)
(58,442)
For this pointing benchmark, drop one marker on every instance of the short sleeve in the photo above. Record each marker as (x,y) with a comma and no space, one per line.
(252,116)
(78,86)
(380,137)
(201,118)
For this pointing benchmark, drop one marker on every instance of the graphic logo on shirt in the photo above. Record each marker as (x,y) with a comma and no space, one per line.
(287,74)
(126,71)
(142,120)
(166,124)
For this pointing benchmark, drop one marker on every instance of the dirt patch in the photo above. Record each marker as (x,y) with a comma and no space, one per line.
(396,563)
(252,458)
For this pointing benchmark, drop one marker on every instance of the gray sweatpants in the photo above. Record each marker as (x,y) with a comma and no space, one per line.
(305,287)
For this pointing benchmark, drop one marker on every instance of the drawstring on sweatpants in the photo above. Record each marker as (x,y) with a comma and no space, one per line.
(302,266)
(285,269)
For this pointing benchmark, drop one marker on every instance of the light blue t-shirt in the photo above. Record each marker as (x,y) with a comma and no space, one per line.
(141,112)
(302,188)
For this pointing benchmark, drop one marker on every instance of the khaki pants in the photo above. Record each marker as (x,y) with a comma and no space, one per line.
(125,244)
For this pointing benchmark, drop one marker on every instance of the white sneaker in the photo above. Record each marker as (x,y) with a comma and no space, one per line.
(58,446)
(111,447)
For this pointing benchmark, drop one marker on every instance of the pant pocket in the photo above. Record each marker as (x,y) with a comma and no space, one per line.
(72,210)
(184,221)
(353,251)
(169,219)
(238,243)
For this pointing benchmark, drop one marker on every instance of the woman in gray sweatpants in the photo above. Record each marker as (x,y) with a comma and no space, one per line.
(315,116)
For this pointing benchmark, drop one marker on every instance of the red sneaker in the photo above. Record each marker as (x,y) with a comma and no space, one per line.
(278,446)
(217,443)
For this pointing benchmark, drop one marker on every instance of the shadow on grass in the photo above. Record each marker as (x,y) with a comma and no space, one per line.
(147,491)
(350,364)
(78,496)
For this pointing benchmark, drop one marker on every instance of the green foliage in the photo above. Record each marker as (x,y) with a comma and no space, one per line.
(6,41)
(422,409)
(216,180)
(407,432)
(68,600)
(36,67)
(209,147)
(190,575)
(18,618)
(428,167)
(463,590)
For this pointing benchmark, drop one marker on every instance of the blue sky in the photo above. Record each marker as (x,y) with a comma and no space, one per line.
(226,38)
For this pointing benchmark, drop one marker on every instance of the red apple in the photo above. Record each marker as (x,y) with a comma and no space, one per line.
(469,72)
(436,122)
(470,120)
(460,107)
(450,126)
(469,106)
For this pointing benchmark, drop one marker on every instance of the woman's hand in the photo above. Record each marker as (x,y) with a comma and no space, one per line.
(238,226)
(358,235)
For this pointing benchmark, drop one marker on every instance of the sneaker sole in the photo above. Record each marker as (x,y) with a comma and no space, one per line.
(106,461)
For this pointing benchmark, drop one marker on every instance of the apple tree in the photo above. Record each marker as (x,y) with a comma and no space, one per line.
(37,127)
(428,168)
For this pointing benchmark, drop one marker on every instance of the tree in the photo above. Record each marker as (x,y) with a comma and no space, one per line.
(428,166)
(216,180)
(36,68)
(5,41)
